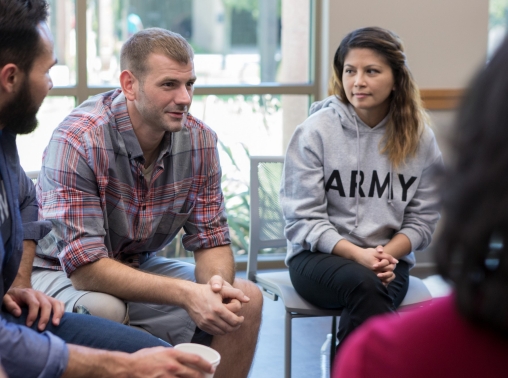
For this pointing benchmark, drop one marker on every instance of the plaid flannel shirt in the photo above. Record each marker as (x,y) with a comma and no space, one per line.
(93,191)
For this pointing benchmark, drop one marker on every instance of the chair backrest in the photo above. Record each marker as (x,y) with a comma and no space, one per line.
(266,220)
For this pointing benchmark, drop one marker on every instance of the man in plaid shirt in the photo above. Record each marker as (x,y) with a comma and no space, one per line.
(122,174)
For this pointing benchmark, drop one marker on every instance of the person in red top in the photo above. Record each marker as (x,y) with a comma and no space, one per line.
(466,333)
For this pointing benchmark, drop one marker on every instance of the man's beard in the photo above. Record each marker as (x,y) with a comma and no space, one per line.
(19,115)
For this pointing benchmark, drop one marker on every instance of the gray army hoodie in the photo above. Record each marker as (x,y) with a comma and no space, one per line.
(324,198)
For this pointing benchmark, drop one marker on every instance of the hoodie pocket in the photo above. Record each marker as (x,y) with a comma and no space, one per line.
(372,237)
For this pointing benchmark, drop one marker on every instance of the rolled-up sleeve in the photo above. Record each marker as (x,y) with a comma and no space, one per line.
(26,353)
(69,199)
(32,228)
(207,225)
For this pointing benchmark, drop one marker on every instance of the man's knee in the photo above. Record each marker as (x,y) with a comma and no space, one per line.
(104,306)
(251,290)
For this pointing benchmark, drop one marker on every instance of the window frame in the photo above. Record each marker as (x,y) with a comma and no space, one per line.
(81,90)
(314,89)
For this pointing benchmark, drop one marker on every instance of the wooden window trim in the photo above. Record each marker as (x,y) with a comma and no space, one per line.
(441,99)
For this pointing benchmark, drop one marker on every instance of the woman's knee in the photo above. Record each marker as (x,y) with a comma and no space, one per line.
(371,293)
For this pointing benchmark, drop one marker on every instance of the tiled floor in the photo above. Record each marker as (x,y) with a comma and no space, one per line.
(309,334)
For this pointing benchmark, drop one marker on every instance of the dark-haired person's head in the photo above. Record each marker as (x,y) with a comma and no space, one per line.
(402,101)
(385,43)
(473,248)
(26,55)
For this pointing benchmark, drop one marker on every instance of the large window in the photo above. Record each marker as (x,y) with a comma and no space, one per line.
(498,24)
(254,61)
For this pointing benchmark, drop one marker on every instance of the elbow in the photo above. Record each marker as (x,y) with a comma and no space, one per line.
(77,282)
(81,279)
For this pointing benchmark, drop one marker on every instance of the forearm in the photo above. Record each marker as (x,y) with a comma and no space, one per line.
(344,248)
(399,246)
(112,277)
(375,259)
(215,261)
(25,267)
(87,362)
(149,362)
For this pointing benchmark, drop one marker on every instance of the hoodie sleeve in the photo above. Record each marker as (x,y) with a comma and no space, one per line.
(302,195)
(422,212)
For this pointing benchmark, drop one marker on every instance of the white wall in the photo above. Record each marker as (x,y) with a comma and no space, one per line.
(445,40)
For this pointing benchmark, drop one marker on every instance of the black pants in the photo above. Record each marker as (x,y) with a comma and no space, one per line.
(333,282)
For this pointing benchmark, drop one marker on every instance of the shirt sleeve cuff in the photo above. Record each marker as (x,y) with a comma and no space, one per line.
(327,241)
(58,357)
(413,236)
(75,256)
(36,230)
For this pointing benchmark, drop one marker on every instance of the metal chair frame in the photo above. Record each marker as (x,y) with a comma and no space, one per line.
(278,284)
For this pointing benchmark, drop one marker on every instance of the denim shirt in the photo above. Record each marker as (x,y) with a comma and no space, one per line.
(23,352)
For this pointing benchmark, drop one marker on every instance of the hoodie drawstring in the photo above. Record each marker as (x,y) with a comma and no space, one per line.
(390,185)
(358,171)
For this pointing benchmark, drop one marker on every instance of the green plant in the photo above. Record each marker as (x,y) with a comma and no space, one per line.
(237,199)
(498,12)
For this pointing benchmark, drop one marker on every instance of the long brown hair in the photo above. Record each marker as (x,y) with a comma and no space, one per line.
(407,116)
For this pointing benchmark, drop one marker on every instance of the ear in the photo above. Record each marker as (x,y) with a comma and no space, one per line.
(10,76)
(129,84)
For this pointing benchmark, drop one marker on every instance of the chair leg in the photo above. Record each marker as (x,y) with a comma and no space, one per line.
(287,346)
(333,344)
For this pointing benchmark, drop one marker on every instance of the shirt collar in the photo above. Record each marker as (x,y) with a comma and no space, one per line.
(124,126)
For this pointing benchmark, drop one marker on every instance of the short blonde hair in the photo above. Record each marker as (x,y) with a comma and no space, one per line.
(137,48)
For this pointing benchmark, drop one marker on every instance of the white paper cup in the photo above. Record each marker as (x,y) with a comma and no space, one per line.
(207,353)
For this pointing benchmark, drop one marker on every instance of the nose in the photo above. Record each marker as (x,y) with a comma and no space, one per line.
(359,80)
(50,84)
(184,96)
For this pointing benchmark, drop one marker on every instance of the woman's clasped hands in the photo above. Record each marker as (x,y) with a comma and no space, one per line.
(382,263)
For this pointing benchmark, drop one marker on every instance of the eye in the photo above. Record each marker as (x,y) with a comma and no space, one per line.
(190,84)
(372,71)
(348,71)
(169,84)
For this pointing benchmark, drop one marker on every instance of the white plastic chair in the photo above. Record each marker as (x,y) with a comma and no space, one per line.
(267,231)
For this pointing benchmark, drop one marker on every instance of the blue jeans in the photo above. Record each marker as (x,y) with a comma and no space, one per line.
(94,332)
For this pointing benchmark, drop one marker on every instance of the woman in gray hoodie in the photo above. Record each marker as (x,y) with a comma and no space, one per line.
(358,193)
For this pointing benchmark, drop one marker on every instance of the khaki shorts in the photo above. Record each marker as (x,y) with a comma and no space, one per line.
(170,323)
